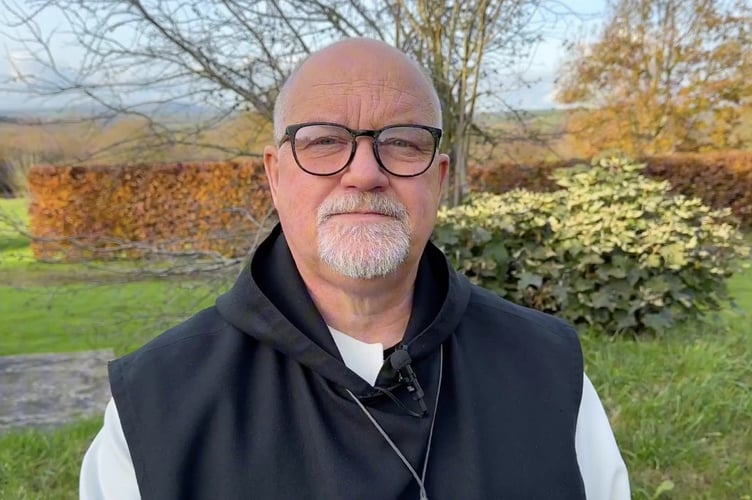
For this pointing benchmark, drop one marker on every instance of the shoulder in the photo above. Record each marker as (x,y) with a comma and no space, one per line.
(177,351)
(196,330)
(523,343)
(489,310)
(495,329)
(150,384)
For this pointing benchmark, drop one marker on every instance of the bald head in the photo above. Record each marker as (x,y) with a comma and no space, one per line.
(347,65)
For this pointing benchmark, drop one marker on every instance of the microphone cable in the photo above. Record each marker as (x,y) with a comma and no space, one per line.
(422,478)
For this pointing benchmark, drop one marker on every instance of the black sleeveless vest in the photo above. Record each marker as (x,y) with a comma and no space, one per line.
(249,399)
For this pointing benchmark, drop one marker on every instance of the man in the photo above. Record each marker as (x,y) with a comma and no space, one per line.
(349,361)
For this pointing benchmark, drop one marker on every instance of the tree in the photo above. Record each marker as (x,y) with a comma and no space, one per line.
(662,76)
(233,55)
(454,40)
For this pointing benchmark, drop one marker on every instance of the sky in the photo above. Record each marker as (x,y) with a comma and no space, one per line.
(550,54)
(540,69)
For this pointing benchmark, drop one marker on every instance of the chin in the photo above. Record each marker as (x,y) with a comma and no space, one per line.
(364,251)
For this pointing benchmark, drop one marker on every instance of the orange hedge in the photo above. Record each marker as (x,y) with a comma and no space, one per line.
(719,179)
(104,212)
(499,178)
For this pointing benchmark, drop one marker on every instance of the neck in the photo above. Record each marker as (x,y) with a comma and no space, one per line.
(375,310)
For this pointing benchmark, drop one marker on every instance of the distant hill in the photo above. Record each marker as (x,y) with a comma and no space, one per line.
(8,119)
(171,110)
(541,119)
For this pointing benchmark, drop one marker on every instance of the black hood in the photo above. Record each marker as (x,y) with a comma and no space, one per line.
(270,302)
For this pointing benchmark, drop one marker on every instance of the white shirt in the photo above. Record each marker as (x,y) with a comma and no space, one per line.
(107,471)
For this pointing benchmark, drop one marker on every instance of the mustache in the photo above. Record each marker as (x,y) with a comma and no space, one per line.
(362,202)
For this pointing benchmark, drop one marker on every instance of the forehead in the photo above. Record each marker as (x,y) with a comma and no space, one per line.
(367,91)
(371,104)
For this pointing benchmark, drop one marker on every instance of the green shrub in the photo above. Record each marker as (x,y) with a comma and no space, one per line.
(611,249)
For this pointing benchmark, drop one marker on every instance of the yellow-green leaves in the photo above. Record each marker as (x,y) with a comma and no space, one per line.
(611,249)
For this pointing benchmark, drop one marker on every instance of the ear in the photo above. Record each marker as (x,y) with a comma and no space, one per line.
(271,167)
(443,169)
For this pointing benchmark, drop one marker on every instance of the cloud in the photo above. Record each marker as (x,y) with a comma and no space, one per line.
(19,64)
(26,82)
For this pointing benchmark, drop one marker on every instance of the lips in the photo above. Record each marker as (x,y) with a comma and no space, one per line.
(358,212)
(363,204)
(364,212)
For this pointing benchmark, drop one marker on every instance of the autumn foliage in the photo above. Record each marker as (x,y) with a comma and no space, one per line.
(719,179)
(106,212)
(661,77)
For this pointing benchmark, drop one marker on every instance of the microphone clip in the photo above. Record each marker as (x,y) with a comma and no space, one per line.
(401,362)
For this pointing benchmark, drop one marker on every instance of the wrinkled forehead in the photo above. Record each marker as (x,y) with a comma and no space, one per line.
(375,86)
(374,101)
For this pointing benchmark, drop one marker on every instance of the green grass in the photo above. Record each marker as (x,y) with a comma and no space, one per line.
(680,405)
(48,307)
(36,465)
(741,290)
(12,216)
(93,316)
(681,409)
(15,209)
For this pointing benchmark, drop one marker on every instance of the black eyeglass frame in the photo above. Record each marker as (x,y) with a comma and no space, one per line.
(292,130)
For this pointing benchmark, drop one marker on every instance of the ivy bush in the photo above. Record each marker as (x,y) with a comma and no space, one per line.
(611,249)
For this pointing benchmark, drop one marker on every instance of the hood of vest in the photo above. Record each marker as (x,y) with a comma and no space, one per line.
(270,303)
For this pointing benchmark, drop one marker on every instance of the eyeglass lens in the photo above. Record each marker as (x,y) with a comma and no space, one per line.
(326,149)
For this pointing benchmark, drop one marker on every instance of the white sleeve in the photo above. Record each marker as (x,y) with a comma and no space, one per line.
(107,470)
(601,465)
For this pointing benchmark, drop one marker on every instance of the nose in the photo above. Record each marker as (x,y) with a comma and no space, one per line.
(364,172)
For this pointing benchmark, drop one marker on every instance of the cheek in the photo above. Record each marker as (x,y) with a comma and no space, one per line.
(298,200)
(423,207)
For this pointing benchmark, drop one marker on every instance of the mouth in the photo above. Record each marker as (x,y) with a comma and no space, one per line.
(363,207)
(363,213)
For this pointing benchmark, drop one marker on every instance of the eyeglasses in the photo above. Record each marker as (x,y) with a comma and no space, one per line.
(322,148)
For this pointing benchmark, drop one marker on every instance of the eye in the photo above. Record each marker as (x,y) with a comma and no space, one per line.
(322,137)
(325,141)
(398,142)
(407,140)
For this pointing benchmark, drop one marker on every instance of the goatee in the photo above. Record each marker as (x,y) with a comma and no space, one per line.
(363,250)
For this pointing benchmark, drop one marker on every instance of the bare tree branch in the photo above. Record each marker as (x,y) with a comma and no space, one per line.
(232,55)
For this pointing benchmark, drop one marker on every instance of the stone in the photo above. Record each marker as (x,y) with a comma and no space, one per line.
(48,390)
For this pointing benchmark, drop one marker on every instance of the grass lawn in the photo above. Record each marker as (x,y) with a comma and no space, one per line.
(71,307)
(38,465)
(680,405)
(12,215)
(93,316)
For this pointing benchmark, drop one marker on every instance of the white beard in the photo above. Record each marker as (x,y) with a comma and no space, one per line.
(363,250)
